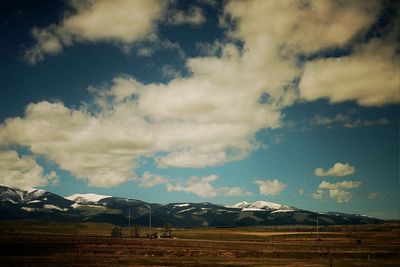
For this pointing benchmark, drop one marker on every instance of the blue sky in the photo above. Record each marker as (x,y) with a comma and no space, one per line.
(294,102)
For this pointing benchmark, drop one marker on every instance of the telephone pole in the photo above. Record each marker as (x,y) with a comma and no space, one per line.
(129,218)
(149,217)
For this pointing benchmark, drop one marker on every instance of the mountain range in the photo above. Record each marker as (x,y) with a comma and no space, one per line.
(37,204)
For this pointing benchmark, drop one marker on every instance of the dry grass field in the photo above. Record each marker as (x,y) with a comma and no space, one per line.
(88,244)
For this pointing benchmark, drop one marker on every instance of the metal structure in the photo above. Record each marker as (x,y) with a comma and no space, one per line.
(149,216)
(129,219)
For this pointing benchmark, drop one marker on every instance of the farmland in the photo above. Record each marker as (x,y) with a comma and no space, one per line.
(82,244)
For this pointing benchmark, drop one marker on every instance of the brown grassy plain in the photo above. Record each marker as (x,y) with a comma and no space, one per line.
(89,244)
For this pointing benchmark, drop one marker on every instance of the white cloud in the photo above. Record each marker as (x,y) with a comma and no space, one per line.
(152,43)
(347,121)
(336,191)
(339,185)
(209,117)
(301,191)
(339,169)
(149,180)
(203,120)
(202,186)
(306,26)
(194,16)
(370,76)
(120,21)
(278,31)
(281,30)
(91,148)
(317,194)
(368,123)
(270,187)
(23,172)
(340,195)
(194,159)
(274,33)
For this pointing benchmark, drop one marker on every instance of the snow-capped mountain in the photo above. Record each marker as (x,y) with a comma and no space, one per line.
(86,198)
(32,197)
(15,203)
(262,206)
(37,204)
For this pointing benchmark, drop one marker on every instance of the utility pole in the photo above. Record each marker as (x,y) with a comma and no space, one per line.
(129,219)
(317,228)
(149,217)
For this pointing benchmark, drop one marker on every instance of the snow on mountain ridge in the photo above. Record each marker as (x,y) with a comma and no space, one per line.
(37,192)
(240,205)
(21,196)
(182,205)
(85,198)
(260,205)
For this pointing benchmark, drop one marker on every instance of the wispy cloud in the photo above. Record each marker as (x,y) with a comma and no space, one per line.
(202,186)
(374,196)
(339,185)
(347,121)
(150,179)
(194,16)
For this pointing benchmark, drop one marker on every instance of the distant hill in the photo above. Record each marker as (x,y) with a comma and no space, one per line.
(43,205)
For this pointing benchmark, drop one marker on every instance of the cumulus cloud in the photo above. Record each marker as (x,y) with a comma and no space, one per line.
(339,169)
(91,148)
(274,34)
(202,186)
(370,76)
(194,16)
(317,194)
(340,195)
(23,172)
(202,120)
(149,180)
(336,191)
(270,187)
(207,118)
(286,29)
(121,21)
(306,26)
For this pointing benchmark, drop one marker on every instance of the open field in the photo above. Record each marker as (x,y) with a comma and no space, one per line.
(39,244)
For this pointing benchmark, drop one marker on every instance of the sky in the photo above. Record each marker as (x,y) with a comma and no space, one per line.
(294,102)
